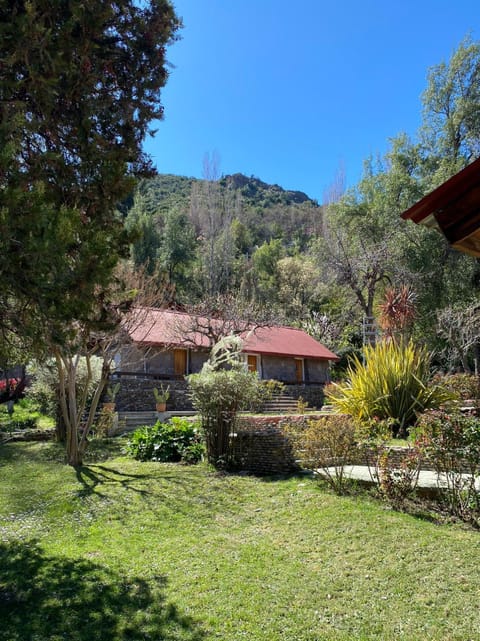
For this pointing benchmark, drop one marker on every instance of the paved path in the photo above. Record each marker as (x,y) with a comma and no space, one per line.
(360,472)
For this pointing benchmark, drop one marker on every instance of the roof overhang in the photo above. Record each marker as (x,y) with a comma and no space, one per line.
(454,210)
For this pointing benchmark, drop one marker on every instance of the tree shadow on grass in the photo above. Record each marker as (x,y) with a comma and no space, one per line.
(51,598)
(93,477)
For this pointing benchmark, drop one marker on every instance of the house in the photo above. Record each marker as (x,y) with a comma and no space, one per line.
(453,209)
(168,344)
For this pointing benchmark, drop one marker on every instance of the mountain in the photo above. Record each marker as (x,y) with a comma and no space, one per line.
(267,211)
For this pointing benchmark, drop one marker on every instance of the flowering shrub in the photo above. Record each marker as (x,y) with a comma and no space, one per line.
(452,442)
(8,383)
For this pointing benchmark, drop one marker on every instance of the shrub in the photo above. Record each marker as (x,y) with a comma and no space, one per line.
(176,440)
(372,441)
(452,443)
(397,483)
(463,386)
(14,424)
(104,422)
(43,390)
(328,443)
(219,391)
(393,383)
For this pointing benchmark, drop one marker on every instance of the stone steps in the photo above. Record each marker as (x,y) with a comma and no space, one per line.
(280,403)
(129,421)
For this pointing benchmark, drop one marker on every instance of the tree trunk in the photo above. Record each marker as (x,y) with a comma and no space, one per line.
(74,456)
(60,425)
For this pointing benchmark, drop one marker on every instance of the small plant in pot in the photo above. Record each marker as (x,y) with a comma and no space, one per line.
(161,397)
(111,394)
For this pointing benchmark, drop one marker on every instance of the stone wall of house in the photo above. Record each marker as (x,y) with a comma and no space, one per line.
(281,368)
(316,371)
(197,360)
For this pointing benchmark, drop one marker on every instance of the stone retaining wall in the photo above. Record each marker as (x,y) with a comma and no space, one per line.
(312,394)
(261,447)
(136,395)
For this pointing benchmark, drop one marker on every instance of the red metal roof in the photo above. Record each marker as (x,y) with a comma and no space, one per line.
(175,329)
(163,327)
(286,341)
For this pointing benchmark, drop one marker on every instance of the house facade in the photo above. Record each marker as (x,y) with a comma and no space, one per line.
(165,346)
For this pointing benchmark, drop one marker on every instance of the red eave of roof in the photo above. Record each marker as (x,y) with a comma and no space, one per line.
(447,192)
(164,327)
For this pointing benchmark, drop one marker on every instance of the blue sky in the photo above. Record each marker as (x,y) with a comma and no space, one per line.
(291,91)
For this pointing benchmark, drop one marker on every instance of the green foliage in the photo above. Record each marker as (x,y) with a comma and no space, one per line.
(392,383)
(223,388)
(112,391)
(26,415)
(79,88)
(325,445)
(451,441)
(218,396)
(398,482)
(161,395)
(104,423)
(176,440)
(302,405)
(177,246)
(13,424)
(451,129)
(44,388)
(462,386)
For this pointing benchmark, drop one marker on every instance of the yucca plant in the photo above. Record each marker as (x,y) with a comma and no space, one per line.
(392,383)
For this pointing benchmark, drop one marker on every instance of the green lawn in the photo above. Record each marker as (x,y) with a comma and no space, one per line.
(24,410)
(126,551)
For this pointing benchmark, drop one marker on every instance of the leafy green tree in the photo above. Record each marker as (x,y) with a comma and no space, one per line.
(79,87)
(451,112)
(265,268)
(297,285)
(360,248)
(145,234)
(177,248)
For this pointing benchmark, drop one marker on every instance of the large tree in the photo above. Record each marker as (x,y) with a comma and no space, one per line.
(79,88)
(450,131)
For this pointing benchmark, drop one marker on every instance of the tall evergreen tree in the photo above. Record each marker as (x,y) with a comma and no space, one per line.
(79,88)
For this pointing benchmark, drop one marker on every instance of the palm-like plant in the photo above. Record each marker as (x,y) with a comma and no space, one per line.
(392,383)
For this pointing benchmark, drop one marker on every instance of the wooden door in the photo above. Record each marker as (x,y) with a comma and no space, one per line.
(252,362)
(299,370)
(180,362)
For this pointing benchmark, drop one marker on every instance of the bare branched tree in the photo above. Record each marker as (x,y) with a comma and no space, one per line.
(222,315)
(460,328)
